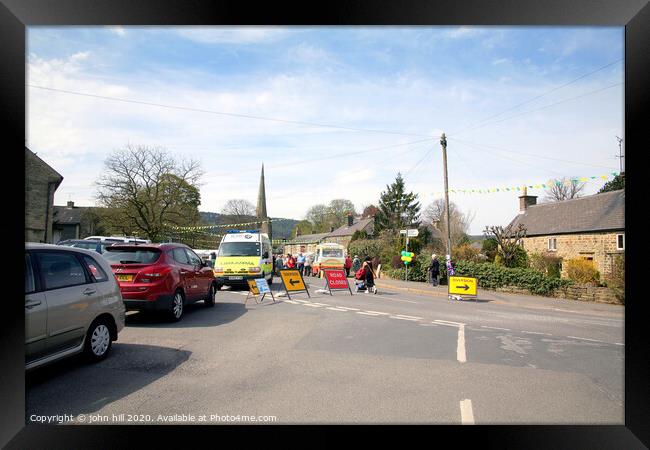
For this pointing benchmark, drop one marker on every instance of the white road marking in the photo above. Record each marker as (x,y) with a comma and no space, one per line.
(585,339)
(311,304)
(378,312)
(320,304)
(618,343)
(302,301)
(460,350)
(449,321)
(404,318)
(291,301)
(429,324)
(348,309)
(337,309)
(466,412)
(445,324)
(408,317)
(367,314)
(535,332)
(495,328)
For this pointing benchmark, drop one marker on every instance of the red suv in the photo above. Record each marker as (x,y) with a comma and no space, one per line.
(161,277)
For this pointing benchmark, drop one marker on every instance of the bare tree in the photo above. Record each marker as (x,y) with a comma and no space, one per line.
(147,189)
(508,239)
(434,214)
(238,210)
(564,189)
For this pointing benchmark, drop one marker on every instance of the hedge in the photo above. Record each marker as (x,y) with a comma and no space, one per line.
(490,276)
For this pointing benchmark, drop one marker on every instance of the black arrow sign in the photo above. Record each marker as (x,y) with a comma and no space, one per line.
(292,282)
(466,287)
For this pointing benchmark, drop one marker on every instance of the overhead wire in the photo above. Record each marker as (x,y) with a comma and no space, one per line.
(557,88)
(221,113)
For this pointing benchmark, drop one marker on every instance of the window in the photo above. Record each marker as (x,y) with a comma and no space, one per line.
(95,269)
(552,244)
(620,242)
(240,249)
(193,258)
(61,270)
(131,255)
(180,256)
(30,285)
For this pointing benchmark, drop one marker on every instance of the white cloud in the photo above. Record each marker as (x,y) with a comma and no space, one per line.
(233,35)
(120,31)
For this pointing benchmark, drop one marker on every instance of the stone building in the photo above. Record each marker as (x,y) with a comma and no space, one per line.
(591,228)
(343,235)
(41,181)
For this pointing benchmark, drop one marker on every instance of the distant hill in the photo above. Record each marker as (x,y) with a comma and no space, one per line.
(281,229)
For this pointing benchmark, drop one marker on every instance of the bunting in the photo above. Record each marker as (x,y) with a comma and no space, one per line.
(229,225)
(547,184)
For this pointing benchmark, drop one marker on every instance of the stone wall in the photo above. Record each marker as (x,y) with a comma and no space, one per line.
(38,204)
(599,246)
(588,293)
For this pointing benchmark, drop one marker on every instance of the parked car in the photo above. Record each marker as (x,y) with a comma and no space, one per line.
(97,246)
(161,277)
(73,304)
(118,239)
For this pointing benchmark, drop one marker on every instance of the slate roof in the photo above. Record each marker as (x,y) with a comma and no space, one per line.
(307,238)
(600,212)
(53,175)
(63,215)
(361,224)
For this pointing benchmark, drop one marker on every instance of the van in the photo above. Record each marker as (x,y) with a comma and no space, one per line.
(243,255)
(328,256)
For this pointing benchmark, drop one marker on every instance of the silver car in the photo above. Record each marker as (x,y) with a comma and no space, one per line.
(73,304)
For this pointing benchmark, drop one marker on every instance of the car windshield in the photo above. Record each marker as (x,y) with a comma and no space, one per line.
(239,249)
(332,253)
(131,255)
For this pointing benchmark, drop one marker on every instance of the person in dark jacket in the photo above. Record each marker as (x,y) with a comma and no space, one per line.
(434,270)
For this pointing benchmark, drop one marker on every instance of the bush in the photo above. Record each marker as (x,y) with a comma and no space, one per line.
(616,281)
(582,271)
(546,263)
(489,248)
(418,269)
(364,247)
(466,252)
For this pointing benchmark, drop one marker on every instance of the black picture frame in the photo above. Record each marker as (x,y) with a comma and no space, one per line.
(15,15)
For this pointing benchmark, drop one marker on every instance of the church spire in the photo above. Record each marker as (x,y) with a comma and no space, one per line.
(261,207)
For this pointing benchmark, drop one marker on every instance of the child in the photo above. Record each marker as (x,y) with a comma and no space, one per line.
(366,279)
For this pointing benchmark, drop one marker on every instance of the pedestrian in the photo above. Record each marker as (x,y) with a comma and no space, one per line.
(434,270)
(369,276)
(356,264)
(348,265)
(309,259)
(291,262)
(301,263)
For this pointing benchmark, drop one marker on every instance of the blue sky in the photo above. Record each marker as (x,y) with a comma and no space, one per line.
(409,82)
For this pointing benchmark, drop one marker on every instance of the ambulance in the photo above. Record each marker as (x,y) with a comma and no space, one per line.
(328,255)
(243,255)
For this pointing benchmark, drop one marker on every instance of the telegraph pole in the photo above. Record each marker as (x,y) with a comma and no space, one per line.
(443,142)
(620,154)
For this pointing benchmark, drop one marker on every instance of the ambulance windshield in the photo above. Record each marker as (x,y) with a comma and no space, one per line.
(239,249)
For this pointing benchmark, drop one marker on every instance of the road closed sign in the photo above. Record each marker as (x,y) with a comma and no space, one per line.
(336,279)
(292,280)
(462,286)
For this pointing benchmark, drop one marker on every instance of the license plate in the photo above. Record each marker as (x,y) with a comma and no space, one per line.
(235,278)
(124,277)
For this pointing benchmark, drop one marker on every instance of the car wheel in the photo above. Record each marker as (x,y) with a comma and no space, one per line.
(209,300)
(177,307)
(98,340)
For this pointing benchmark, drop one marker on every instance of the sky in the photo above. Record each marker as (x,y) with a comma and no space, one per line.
(332,112)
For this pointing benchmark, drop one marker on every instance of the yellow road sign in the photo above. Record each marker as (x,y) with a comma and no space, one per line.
(252,286)
(462,286)
(292,280)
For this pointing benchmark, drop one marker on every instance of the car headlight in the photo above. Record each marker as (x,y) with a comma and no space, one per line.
(254,269)
(218,269)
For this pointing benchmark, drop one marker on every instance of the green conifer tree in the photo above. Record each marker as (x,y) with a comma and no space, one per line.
(397,209)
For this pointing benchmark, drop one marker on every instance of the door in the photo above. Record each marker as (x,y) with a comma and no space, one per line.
(70,294)
(188,279)
(35,314)
(203,276)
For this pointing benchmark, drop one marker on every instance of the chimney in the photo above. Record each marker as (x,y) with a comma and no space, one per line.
(70,205)
(350,219)
(526,200)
